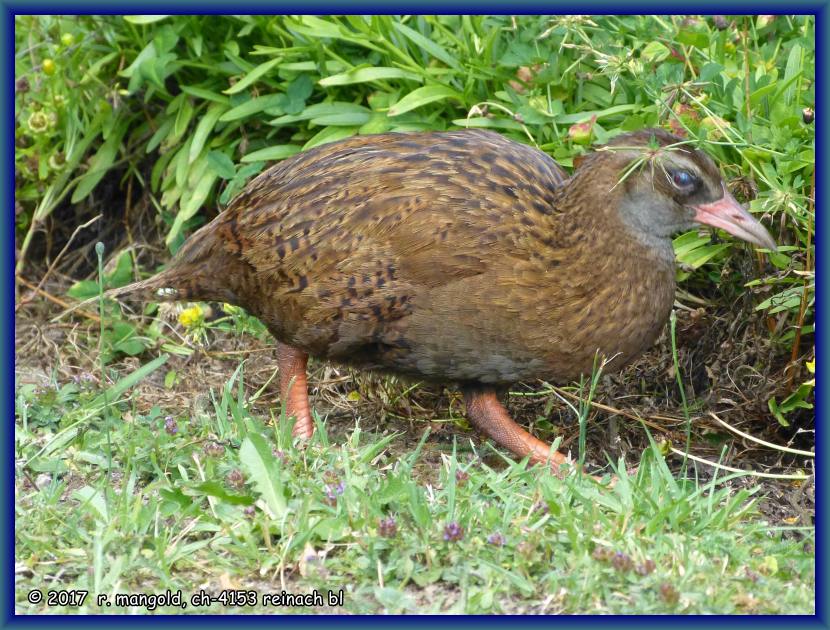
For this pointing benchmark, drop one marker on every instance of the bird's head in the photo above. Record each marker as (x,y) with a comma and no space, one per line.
(667,186)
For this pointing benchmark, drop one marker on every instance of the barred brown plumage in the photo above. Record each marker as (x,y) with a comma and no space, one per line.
(458,256)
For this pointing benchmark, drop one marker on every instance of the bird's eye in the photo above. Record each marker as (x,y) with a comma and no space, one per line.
(683,179)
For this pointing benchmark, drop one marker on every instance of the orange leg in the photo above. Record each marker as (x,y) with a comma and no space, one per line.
(294,388)
(488,415)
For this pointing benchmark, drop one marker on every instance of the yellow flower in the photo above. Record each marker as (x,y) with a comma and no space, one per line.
(192,316)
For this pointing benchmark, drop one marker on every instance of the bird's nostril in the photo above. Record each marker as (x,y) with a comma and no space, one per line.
(739,218)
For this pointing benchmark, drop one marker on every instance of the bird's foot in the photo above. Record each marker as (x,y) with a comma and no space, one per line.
(294,389)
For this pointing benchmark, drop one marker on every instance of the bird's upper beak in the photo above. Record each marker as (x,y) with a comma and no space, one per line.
(726,213)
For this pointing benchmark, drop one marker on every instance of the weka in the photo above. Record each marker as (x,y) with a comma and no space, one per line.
(458,257)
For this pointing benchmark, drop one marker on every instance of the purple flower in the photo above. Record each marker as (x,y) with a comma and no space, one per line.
(622,562)
(332,492)
(496,539)
(170,425)
(388,527)
(453,532)
(236,479)
(214,449)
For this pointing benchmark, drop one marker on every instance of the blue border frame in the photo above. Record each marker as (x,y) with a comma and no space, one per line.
(7,12)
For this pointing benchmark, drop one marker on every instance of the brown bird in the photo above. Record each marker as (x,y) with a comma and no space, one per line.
(458,257)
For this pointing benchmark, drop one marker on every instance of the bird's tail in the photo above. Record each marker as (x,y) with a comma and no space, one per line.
(159,288)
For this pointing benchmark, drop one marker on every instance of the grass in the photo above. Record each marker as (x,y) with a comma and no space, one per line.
(112,500)
(139,473)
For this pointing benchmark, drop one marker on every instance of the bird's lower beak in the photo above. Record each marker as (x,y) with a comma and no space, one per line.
(726,213)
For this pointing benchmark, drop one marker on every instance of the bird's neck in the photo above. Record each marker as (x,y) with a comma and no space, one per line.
(608,220)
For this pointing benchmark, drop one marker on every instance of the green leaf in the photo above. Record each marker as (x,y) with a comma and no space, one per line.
(259,464)
(115,391)
(364,74)
(693,38)
(427,44)
(423,96)
(654,51)
(341,120)
(791,72)
(183,116)
(320,109)
(162,133)
(193,203)
(221,164)
(144,19)
(89,497)
(215,489)
(204,94)
(204,128)
(329,134)
(568,119)
(122,338)
(255,105)
(83,290)
(276,152)
(488,123)
(298,91)
(99,164)
(252,76)
(122,273)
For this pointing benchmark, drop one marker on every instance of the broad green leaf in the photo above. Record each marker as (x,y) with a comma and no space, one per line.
(298,91)
(688,241)
(792,71)
(488,123)
(693,38)
(83,289)
(378,123)
(276,152)
(320,109)
(193,204)
(300,88)
(252,76)
(700,256)
(341,120)
(654,51)
(92,498)
(183,117)
(122,273)
(216,489)
(148,52)
(162,133)
(427,44)
(423,96)
(115,391)
(204,128)
(569,119)
(204,94)
(259,463)
(100,164)
(329,134)
(221,164)
(312,26)
(144,19)
(254,106)
(362,75)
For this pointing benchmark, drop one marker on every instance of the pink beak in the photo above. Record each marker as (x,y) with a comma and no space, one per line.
(726,213)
